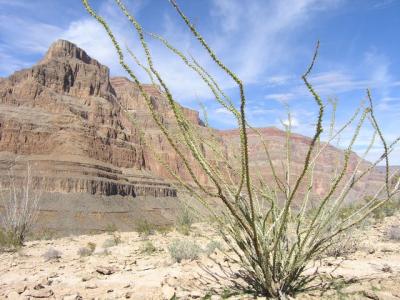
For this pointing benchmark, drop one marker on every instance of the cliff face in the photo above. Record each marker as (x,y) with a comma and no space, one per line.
(64,116)
(328,165)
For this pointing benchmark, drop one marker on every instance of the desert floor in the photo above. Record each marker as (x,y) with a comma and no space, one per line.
(371,269)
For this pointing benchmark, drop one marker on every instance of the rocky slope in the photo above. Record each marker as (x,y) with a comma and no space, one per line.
(64,116)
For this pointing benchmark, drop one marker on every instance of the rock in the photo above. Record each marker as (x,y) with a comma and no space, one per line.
(39,286)
(46,281)
(387,269)
(91,286)
(86,278)
(386,295)
(370,295)
(168,292)
(145,268)
(42,293)
(21,289)
(352,289)
(13,295)
(196,294)
(105,270)
(128,295)
(53,275)
(76,296)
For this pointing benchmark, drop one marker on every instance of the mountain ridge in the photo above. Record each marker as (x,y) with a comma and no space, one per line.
(65,116)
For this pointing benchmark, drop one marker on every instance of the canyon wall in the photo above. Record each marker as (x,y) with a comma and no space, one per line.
(72,123)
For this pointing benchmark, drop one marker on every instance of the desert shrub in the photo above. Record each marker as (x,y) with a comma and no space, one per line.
(394,233)
(164,230)
(52,254)
(88,250)
(91,246)
(43,234)
(113,241)
(144,227)
(20,208)
(84,251)
(342,245)
(266,220)
(184,250)
(387,210)
(148,248)
(184,221)
(212,246)
(8,242)
(111,228)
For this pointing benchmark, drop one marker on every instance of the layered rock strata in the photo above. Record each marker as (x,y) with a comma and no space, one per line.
(72,123)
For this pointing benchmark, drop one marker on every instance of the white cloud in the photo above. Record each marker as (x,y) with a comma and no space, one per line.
(90,36)
(228,12)
(262,32)
(27,36)
(280,97)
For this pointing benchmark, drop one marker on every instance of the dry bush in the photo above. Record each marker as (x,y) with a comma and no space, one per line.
(184,250)
(343,245)
(212,246)
(20,208)
(268,224)
(145,228)
(148,248)
(52,254)
(184,221)
(88,250)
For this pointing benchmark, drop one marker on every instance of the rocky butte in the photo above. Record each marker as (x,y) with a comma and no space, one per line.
(94,167)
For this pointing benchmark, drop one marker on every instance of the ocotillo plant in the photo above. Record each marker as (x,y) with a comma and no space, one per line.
(20,208)
(268,224)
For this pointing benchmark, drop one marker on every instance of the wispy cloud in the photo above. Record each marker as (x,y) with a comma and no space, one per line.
(27,35)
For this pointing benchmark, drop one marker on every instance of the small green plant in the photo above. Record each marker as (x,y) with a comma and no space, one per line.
(164,230)
(91,246)
(184,221)
(144,227)
(184,250)
(227,293)
(148,248)
(52,254)
(8,242)
(212,246)
(111,228)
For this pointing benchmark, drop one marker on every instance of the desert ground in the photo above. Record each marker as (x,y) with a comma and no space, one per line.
(129,265)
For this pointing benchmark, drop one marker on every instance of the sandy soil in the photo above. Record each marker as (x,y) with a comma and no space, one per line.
(124,271)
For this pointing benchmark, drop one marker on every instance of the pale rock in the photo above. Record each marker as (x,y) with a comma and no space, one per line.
(168,292)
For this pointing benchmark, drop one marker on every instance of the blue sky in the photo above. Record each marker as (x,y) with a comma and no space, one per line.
(267,43)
